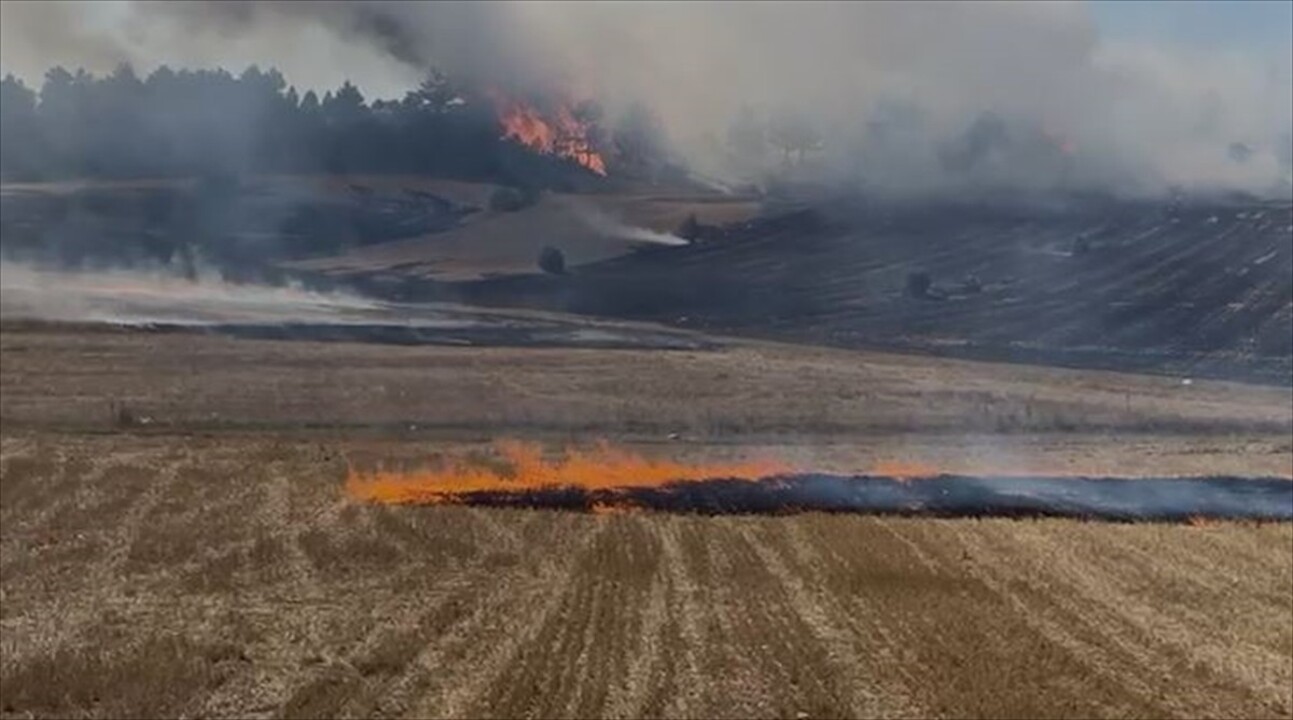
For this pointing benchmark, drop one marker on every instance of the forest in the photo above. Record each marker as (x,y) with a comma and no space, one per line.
(214,123)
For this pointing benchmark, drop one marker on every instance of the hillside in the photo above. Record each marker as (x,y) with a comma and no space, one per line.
(1199,289)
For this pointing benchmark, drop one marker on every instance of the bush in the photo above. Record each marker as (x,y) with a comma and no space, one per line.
(507,199)
(552,261)
(918,283)
(689,229)
(122,416)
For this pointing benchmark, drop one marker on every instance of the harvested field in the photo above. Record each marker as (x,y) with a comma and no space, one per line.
(271,227)
(175,538)
(970,417)
(227,576)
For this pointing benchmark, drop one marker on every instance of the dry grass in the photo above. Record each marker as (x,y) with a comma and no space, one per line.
(230,578)
(207,564)
(748,393)
(491,243)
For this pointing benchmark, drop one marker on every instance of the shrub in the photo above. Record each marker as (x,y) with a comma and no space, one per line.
(552,261)
(918,283)
(507,199)
(689,229)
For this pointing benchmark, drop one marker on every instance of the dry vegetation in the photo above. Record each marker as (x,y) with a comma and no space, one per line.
(145,576)
(494,243)
(200,558)
(747,392)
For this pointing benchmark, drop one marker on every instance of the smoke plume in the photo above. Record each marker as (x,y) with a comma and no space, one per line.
(159,296)
(1075,109)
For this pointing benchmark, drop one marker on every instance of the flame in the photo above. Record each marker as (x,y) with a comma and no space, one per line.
(561,134)
(602,468)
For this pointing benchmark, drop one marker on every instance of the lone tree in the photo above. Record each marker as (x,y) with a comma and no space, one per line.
(690,228)
(918,284)
(552,261)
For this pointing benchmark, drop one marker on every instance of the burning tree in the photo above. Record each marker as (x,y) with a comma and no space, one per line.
(568,130)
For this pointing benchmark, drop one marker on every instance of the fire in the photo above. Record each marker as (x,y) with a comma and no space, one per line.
(561,133)
(602,468)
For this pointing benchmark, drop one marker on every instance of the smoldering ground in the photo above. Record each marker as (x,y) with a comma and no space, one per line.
(1112,499)
(160,300)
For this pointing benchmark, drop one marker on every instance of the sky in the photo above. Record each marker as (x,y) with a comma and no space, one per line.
(1264,24)
(1255,27)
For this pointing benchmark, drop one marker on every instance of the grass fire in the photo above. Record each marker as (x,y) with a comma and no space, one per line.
(644,360)
(522,468)
(607,479)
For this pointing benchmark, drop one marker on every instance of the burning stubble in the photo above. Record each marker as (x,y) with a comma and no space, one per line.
(610,480)
(524,468)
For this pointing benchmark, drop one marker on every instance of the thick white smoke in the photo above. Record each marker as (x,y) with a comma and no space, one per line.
(886,85)
(139,297)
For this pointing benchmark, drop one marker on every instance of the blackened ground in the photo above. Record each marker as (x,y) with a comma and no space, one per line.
(1138,499)
(517,334)
(1202,289)
(240,229)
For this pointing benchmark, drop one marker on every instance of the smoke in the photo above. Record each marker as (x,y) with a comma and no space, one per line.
(606,477)
(160,297)
(1135,116)
(600,222)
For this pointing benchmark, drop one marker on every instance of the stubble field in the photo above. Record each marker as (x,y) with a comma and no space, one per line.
(197,556)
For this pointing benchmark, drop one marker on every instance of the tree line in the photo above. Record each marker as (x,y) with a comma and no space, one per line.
(213,123)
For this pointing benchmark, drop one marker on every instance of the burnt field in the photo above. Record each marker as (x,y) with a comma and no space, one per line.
(944,496)
(1191,288)
(1194,289)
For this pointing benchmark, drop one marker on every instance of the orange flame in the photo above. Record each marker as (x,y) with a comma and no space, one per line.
(602,468)
(563,134)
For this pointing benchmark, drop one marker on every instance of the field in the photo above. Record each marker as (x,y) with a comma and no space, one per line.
(195,555)
(265,226)
(1198,289)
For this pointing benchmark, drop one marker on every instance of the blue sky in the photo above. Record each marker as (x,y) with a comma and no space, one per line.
(1229,24)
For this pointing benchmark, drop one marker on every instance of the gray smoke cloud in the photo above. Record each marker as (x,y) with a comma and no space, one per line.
(893,89)
(145,297)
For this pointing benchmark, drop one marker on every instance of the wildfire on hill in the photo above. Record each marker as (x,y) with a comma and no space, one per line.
(560,132)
